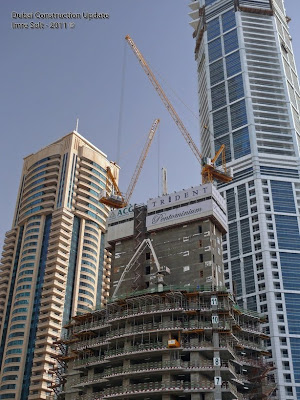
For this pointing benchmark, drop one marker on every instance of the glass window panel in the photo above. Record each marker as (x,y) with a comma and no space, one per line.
(283,197)
(216,72)
(287,232)
(233,64)
(243,205)
(228,20)
(236,277)
(235,88)
(213,29)
(231,41)
(220,121)
(234,241)
(218,96)
(290,270)
(238,114)
(249,277)
(241,143)
(214,49)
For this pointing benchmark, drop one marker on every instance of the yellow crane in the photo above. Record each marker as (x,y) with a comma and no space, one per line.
(209,170)
(112,196)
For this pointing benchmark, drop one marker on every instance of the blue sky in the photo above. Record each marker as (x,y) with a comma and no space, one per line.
(51,77)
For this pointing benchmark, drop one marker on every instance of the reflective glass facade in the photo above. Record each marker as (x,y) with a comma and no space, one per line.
(244,53)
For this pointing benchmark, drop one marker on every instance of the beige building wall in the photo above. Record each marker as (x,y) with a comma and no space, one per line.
(52,260)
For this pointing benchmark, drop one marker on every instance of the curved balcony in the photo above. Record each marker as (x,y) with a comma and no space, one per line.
(150,368)
(146,328)
(139,389)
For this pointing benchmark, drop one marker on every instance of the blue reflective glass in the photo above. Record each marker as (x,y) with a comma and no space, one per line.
(290,270)
(287,232)
(235,88)
(218,96)
(241,143)
(292,302)
(220,122)
(283,197)
(214,49)
(231,41)
(236,276)
(71,271)
(295,348)
(213,29)
(208,2)
(238,114)
(216,71)
(228,20)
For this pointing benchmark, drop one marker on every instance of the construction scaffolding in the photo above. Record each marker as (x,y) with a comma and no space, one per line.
(177,342)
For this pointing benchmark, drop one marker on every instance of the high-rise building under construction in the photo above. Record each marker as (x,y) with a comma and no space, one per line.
(170,329)
(249,101)
(52,260)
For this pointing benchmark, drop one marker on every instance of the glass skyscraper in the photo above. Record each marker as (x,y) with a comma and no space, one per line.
(52,261)
(249,101)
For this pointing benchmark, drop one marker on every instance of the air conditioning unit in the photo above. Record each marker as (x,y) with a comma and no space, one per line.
(207,248)
(208,263)
(206,234)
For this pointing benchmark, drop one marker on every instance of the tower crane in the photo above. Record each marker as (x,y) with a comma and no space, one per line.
(209,170)
(114,198)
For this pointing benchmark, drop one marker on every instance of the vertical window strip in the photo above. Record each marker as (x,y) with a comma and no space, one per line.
(235,88)
(19,200)
(241,143)
(249,275)
(62,180)
(283,197)
(287,232)
(233,64)
(213,29)
(228,20)
(292,302)
(295,348)
(220,122)
(71,185)
(231,42)
(36,309)
(71,271)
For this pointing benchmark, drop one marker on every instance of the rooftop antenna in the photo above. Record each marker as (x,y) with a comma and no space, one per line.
(77,122)
(164,183)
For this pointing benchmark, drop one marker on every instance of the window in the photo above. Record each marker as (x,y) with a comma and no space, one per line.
(238,114)
(228,20)
(235,88)
(201,258)
(213,29)
(200,228)
(216,71)
(214,49)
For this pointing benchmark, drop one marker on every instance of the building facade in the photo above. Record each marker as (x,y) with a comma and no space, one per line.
(170,330)
(249,101)
(52,260)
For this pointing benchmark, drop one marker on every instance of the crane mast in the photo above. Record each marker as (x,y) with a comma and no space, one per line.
(141,161)
(164,98)
(116,199)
